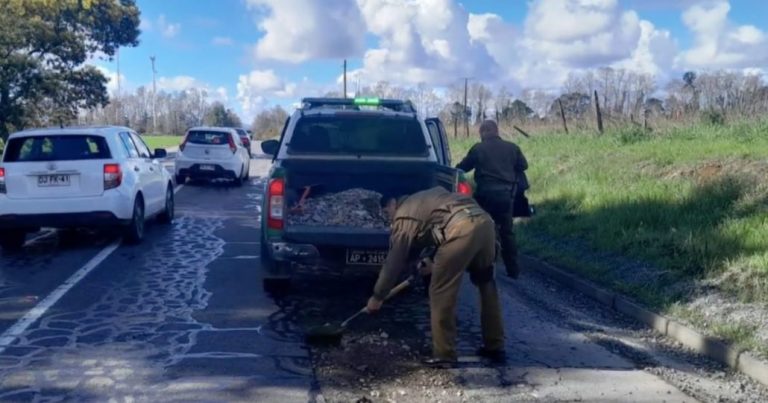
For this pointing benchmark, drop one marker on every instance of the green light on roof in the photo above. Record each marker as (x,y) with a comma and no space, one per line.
(366,101)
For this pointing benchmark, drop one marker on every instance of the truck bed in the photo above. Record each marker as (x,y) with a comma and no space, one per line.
(390,177)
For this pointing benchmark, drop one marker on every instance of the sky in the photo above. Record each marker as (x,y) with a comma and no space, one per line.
(252,54)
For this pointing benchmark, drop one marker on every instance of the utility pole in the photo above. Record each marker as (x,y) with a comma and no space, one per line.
(118,108)
(345,78)
(464,112)
(154,95)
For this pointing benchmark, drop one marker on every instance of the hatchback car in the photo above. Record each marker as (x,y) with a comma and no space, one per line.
(81,177)
(245,137)
(212,153)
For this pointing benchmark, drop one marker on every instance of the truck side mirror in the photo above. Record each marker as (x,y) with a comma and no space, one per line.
(270,147)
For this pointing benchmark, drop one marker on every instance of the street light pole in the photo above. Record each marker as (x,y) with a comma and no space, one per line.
(154,95)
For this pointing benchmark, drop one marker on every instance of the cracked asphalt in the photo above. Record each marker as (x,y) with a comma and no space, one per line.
(183,317)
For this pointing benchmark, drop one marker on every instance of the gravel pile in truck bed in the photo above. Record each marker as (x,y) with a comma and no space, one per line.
(359,208)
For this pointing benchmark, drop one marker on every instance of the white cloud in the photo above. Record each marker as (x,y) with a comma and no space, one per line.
(256,87)
(426,41)
(166,28)
(718,43)
(184,83)
(299,30)
(222,41)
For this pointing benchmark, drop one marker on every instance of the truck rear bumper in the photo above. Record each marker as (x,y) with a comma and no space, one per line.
(293,252)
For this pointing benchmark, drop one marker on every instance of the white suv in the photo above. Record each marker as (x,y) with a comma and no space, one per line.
(212,153)
(81,177)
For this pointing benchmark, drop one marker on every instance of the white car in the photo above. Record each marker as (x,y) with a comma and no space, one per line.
(81,177)
(212,153)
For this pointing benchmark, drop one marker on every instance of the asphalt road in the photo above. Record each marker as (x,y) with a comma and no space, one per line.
(183,317)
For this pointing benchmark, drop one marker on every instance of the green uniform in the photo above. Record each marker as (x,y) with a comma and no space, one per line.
(499,167)
(464,236)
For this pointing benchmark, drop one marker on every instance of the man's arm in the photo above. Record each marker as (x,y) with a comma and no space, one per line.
(521,164)
(469,161)
(400,241)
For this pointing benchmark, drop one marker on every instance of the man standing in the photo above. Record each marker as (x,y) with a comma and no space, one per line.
(499,166)
(463,235)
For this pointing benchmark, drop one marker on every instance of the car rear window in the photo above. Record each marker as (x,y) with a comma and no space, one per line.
(358,135)
(57,148)
(207,137)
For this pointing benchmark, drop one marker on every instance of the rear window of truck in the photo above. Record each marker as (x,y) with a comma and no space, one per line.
(208,137)
(358,135)
(57,148)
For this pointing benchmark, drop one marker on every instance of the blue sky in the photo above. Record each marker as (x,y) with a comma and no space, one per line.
(255,53)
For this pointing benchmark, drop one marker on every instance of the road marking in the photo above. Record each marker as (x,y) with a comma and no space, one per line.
(10,335)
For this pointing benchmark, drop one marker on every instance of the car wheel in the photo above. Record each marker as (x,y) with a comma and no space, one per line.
(239,179)
(166,217)
(134,233)
(13,240)
(181,179)
(248,172)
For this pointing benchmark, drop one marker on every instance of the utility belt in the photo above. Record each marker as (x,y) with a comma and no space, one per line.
(456,214)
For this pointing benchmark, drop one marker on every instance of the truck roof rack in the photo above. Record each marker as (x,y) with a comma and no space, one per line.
(394,105)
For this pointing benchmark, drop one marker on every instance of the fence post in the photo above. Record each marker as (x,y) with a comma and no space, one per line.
(562,115)
(598,114)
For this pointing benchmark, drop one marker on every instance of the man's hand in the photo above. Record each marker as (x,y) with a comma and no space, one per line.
(374,305)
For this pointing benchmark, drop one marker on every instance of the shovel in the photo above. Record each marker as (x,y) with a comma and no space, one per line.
(331,334)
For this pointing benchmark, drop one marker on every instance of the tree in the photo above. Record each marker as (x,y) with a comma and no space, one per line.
(220,116)
(43,46)
(269,123)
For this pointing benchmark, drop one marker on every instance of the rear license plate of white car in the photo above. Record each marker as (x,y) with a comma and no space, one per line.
(207,168)
(53,180)
(366,257)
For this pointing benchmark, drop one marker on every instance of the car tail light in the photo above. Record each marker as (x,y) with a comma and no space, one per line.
(275,203)
(464,188)
(232,145)
(113,176)
(2,180)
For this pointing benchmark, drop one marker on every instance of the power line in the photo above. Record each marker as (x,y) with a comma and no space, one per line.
(154,95)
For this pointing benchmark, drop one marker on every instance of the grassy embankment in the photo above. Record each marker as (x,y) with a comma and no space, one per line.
(161,141)
(657,215)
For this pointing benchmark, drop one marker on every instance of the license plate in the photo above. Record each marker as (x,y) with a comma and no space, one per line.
(53,180)
(366,257)
(207,168)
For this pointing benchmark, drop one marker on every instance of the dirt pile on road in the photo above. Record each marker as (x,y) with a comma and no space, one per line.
(359,208)
(378,368)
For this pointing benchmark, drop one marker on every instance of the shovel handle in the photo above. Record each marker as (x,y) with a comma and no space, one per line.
(400,287)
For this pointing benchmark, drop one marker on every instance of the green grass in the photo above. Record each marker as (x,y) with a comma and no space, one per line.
(161,141)
(692,202)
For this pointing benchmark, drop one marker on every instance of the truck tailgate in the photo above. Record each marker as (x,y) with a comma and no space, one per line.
(338,236)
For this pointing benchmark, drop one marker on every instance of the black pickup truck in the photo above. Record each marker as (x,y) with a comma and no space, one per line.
(375,144)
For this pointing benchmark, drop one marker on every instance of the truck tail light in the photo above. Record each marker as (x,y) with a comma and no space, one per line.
(464,188)
(232,146)
(113,176)
(275,203)
(2,180)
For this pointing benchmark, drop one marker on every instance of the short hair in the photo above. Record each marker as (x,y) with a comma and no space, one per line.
(489,128)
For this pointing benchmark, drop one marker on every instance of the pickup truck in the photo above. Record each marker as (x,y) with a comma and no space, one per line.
(339,144)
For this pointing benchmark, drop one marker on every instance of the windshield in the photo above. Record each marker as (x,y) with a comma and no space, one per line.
(208,137)
(56,148)
(358,135)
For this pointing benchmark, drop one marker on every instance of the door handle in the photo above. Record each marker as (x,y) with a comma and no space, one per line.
(136,169)
(152,169)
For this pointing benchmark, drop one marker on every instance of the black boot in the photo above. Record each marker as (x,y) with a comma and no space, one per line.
(495,356)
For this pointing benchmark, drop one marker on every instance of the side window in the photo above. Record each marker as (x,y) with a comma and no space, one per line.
(141,146)
(446,143)
(236,138)
(130,148)
(437,141)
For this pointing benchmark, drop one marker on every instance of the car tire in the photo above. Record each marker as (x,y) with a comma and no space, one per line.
(166,217)
(275,285)
(134,232)
(13,240)
(181,179)
(239,180)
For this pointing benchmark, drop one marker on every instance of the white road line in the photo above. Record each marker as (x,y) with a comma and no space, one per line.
(10,335)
